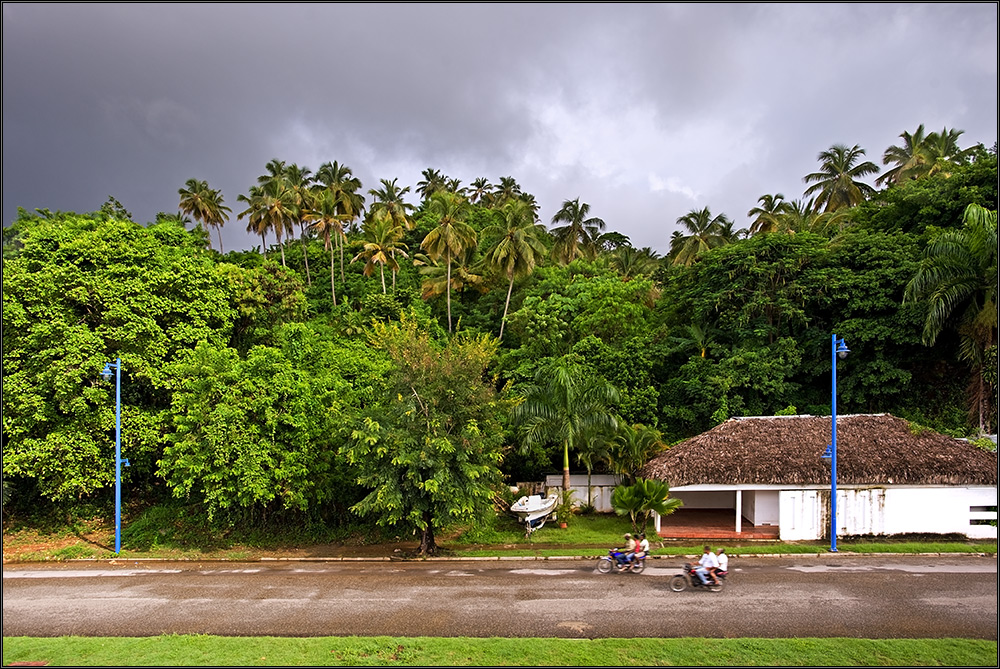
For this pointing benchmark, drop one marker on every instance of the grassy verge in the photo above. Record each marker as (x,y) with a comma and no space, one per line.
(170,533)
(199,650)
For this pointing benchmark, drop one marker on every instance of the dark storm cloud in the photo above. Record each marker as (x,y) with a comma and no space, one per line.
(645,111)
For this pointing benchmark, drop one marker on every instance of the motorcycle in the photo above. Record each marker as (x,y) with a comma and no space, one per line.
(617,560)
(689,579)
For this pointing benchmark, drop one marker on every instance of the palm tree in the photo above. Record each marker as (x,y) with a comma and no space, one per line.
(505,191)
(272,206)
(204,204)
(633,447)
(564,403)
(519,247)
(324,214)
(299,180)
(389,199)
(641,499)
(344,186)
(578,238)
(482,192)
(452,235)
(767,216)
(256,223)
(593,449)
(704,232)
(942,150)
(910,159)
(959,273)
(382,243)
(837,181)
(631,262)
(433,181)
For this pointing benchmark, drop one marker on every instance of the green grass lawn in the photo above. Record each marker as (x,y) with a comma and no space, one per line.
(199,650)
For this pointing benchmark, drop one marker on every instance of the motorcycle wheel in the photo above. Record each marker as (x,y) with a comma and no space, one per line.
(678,583)
(604,565)
(638,566)
(716,588)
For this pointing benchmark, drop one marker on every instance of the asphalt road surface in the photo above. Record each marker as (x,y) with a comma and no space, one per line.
(870,597)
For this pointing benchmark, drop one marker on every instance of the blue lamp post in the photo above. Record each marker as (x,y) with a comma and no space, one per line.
(106,373)
(840,350)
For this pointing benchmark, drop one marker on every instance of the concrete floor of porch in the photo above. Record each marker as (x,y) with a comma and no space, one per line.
(712,524)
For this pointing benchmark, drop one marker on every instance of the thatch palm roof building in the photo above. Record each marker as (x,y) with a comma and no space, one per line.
(892,477)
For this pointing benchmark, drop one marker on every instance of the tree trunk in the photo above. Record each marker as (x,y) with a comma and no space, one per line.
(565,467)
(427,544)
(506,304)
(449,293)
(305,253)
(333,279)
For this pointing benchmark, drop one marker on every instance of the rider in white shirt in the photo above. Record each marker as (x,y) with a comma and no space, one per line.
(723,559)
(708,562)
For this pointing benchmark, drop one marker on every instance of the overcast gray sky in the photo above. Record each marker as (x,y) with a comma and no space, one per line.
(644,111)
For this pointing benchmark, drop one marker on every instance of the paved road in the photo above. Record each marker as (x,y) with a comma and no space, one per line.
(870,597)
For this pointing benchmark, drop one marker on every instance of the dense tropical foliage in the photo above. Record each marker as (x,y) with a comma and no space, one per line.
(460,345)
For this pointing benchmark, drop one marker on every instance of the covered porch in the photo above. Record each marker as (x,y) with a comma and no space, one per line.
(722,512)
(712,524)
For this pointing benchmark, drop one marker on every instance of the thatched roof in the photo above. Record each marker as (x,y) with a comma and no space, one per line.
(871,450)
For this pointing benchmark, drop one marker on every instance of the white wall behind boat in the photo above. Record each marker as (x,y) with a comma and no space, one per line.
(602,486)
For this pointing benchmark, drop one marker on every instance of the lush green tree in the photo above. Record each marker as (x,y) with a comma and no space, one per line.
(578,237)
(81,291)
(430,453)
(640,500)
(433,182)
(325,217)
(452,236)
(204,204)
(518,247)
(299,182)
(562,405)
(958,273)
(837,183)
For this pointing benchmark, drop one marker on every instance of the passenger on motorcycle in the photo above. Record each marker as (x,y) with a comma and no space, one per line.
(643,546)
(723,561)
(708,563)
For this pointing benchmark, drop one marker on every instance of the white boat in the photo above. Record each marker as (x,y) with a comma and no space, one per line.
(534,510)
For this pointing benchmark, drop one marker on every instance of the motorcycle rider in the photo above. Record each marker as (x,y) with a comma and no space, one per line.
(629,552)
(707,564)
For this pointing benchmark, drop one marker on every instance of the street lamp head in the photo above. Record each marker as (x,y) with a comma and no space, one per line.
(842,349)
(106,372)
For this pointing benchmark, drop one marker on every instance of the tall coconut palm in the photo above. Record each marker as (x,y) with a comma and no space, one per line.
(631,262)
(958,273)
(204,204)
(389,200)
(704,232)
(578,237)
(326,219)
(299,182)
(910,159)
(767,215)
(256,223)
(452,235)
(383,240)
(519,246)
(507,190)
(482,191)
(433,181)
(341,182)
(564,403)
(837,183)
(271,206)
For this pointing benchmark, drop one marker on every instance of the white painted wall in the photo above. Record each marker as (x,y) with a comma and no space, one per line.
(716,499)
(602,486)
(761,507)
(940,510)
(800,515)
(804,514)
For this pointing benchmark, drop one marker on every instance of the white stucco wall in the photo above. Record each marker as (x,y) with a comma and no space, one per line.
(940,510)
(805,514)
(761,507)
